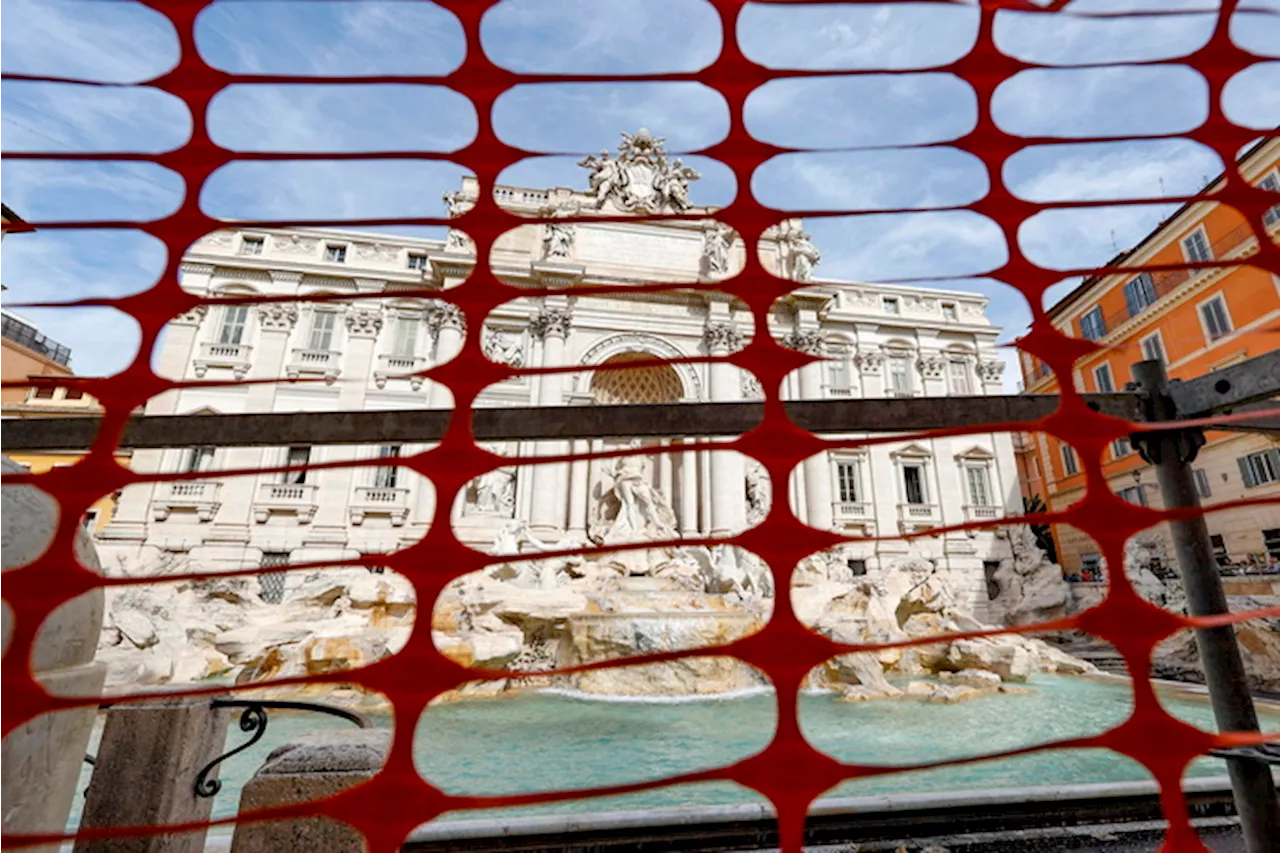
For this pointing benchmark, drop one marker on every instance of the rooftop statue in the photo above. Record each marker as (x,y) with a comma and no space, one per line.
(641,179)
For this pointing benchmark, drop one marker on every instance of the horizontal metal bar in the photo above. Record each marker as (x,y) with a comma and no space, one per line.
(1231,387)
(552,422)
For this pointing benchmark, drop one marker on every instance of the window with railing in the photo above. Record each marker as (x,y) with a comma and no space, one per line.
(899,366)
(196,459)
(320,336)
(1272,183)
(978,481)
(913,483)
(848,480)
(1195,247)
(1139,294)
(296,457)
(1092,326)
(385,476)
(404,336)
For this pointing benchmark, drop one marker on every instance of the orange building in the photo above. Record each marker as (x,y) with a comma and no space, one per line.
(1195,321)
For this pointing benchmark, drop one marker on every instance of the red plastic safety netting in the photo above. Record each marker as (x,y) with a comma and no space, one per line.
(788,771)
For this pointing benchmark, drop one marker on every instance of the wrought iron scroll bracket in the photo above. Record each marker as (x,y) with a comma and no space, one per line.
(253,719)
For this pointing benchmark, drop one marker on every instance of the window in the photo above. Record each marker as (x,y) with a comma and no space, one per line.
(405,337)
(1260,468)
(1102,378)
(384,476)
(1121,448)
(949,311)
(1092,326)
(1219,546)
(1195,247)
(417,262)
(73,394)
(271,584)
(838,375)
(233,320)
(899,374)
(337,254)
(958,375)
(1134,494)
(1070,464)
(1153,348)
(44,392)
(978,480)
(322,323)
(1214,318)
(848,475)
(891,305)
(913,484)
(1139,293)
(1271,182)
(296,457)
(1202,482)
(251,246)
(1271,541)
(196,459)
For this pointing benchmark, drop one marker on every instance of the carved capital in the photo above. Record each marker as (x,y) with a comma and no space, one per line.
(870,361)
(364,322)
(931,366)
(722,336)
(194,317)
(990,371)
(807,342)
(445,315)
(552,322)
(277,316)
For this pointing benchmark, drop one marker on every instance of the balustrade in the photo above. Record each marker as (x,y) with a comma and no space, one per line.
(234,357)
(298,498)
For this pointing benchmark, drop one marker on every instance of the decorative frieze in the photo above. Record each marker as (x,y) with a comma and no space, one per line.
(376,252)
(551,322)
(288,278)
(722,336)
(294,244)
(277,316)
(364,322)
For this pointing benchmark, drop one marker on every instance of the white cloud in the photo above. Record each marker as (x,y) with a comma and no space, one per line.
(120,42)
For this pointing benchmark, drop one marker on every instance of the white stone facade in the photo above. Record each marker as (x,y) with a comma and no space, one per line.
(354,354)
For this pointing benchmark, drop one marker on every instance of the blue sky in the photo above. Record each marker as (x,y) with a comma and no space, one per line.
(860,134)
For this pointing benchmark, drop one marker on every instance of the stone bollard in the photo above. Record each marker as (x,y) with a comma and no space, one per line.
(309,768)
(42,758)
(145,774)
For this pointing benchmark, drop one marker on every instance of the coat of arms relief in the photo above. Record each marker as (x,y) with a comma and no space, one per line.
(641,179)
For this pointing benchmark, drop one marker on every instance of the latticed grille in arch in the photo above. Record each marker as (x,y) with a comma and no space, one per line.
(656,384)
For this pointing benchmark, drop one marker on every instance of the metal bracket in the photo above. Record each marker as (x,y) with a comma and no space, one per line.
(254,720)
(1268,753)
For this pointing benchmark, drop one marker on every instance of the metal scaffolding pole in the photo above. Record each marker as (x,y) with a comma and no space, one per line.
(1171,452)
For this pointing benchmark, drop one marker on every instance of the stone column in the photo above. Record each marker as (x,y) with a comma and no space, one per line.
(359,353)
(446,322)
(817,468)
(728,474)
(579,484)
(550,481)
(688,492)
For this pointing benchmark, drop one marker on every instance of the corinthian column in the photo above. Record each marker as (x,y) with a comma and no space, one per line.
(447,324)
(728,474)
(817,469)
(550,482)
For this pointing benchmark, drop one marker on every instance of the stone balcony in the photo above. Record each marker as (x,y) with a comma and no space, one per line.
(380,500)
(234,357)
(837,391)
(398,367)
(854,514)
(296,498)
(314,362)
(913,516)
(982,513)
(198,496)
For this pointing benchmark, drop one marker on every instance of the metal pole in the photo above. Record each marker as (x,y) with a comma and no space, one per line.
(1171,452)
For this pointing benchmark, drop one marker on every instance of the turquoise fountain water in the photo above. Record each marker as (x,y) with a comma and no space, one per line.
(543,742)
